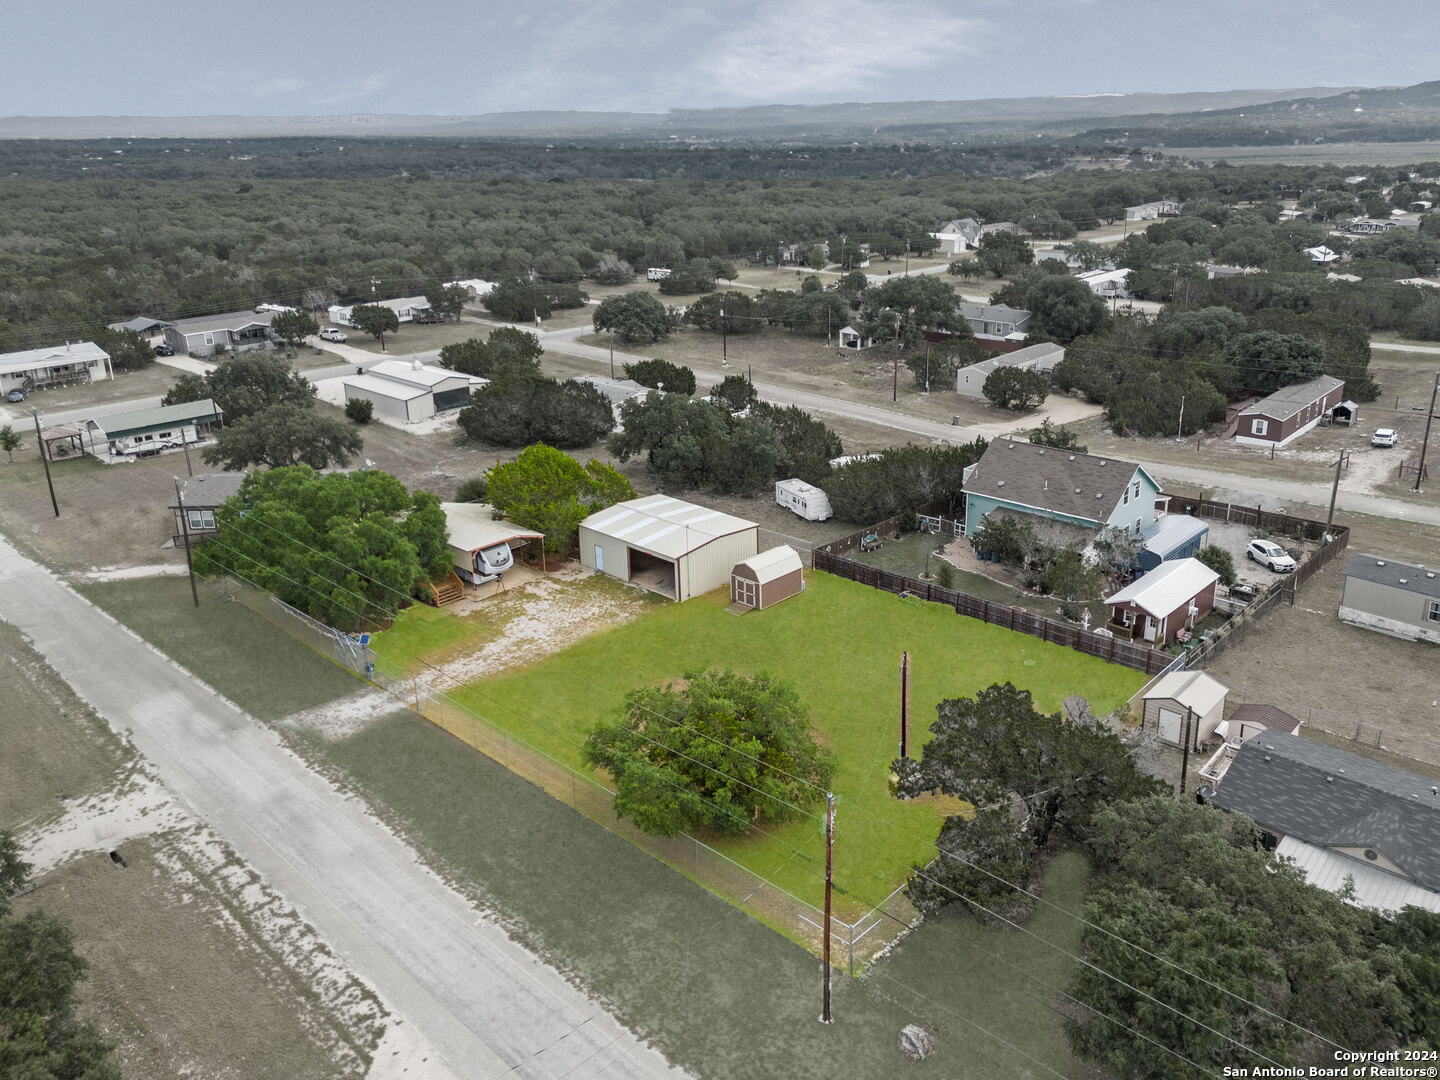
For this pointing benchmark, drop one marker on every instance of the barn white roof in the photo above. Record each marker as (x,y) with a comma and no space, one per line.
(664,526)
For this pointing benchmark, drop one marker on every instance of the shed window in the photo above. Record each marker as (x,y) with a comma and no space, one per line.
(1259,427)
(1434,611)
(201,519)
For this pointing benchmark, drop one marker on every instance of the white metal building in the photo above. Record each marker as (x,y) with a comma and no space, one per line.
(804,499)
(669,546)
(410,390)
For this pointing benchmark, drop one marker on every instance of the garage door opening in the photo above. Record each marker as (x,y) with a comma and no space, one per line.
(652,572)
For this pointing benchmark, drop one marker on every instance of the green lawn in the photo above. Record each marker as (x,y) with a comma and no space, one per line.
(840,643)
(262,669)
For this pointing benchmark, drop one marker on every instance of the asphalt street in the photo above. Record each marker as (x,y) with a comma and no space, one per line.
(486,1006)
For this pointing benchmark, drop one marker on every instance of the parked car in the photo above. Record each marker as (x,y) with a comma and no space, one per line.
(1268,553)
(1383,437)
(333,333)
(18,394)
(164,350)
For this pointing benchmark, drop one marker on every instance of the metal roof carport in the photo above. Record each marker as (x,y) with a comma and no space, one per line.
(667,545)
(474,527)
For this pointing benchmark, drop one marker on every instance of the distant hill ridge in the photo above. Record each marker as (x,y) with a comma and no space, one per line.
(833,120)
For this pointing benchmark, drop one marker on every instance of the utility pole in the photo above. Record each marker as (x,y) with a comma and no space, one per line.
(186,447)
(185,533)
(904,704)
(1420,467)
(44,460)
(1180,427)
(612,352)
(825,1017)
(1185,750)
(1334,490)
(724,342)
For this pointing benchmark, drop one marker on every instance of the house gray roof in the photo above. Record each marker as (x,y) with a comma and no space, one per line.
(141,324)
(235,320)
(1264,716)
(209,490)
(993,313)
(1333,798)
(1424,580)
(1289,400)
(1078,485)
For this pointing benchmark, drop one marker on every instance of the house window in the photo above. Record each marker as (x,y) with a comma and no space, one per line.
(1125,499)
(1259,427)
(209,339)
(1137,489)
(1434,611)
(201,519)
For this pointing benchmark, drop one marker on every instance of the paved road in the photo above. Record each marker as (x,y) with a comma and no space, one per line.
(1391,346)
(485,1005)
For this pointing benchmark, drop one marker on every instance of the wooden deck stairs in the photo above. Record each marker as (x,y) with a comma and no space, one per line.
(447,591)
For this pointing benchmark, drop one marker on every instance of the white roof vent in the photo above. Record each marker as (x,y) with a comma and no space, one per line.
(1379,562)
(1077,491)
(1099,495)
(1072,457)
(1403,581)
(999,483)
(1102,464)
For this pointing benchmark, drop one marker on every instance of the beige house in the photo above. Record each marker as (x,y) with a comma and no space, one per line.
(1183,695)
(669,546)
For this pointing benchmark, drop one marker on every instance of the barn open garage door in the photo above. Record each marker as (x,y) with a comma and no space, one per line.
(652,572)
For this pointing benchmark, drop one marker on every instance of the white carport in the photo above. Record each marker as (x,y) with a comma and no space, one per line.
(476,536)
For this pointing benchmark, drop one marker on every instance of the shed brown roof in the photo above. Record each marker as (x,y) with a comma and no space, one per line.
(1267,716)
(1078,485)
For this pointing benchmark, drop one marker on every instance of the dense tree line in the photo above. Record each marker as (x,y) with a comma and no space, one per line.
(874,487)
(103,247)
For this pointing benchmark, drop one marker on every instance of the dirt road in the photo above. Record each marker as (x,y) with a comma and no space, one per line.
(478,1001)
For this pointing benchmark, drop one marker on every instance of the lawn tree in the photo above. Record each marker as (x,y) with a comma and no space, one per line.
(517,299)
(375,320)
(661,374)
(346,548)
(245,384)
(1200,889)
(679,436)
(1015,388)
(717,753)
(506,349)
(734,393)
(903,308)
(897,480)
(1069,576)
(40,973)
(282,435)
(697,276)
(1063,308)
(521,407)
(472,490)
(9,442)
(1221,561)
(1056,435)
(293,326)
(550,492)
(853,284)
(1086,254)
(1009,538)
(635,318)
(1002,253)
(128,351)
(1267,360)
(447,301)
(994,748)
(816,314)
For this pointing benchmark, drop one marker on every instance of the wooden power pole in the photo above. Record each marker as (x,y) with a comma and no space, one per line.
(1420,465)
(1185,750)
(904,704)
(825,1017)
(45,460)
(185,532)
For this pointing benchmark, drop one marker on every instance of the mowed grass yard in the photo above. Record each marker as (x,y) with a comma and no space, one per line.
(840,643)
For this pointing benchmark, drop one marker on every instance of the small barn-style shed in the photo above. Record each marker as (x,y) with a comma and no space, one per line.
(764,580)
(1183,693)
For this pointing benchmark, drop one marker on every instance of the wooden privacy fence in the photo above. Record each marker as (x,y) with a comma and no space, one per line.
(1104,646)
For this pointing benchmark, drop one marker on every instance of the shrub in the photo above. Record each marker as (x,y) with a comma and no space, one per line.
(1219,560)
(471,490)
(675,378)
(945,575)
(361,410)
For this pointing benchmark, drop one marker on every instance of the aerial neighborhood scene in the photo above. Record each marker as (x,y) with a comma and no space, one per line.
(798,542)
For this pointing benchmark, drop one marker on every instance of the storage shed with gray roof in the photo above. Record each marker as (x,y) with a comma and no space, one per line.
(1395,598)
(1340,814)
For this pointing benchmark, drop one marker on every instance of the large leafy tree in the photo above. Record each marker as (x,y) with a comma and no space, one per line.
(294,325)
(551,492)
(40,1039)
(1267,360)
(1195,889)
(282,435)
(1015,388)
(903,308)
(446,301)
(1063,308)
(377,320)
(516,299)
(897,480)
(506,348)
(996,748)
(662,375)
(520,407)
(128,350)
(245,384)
(635,318)
(1003,253)
(718,753)
(345,548)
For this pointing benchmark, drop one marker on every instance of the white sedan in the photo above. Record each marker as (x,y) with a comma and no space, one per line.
(1268,553)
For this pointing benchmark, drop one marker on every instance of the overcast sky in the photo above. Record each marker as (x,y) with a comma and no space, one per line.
(464,57)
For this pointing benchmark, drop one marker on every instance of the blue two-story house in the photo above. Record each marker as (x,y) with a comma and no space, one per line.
(1057,485)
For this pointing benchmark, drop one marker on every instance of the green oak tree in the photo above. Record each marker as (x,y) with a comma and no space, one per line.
(293,325)
(1015,388)
(1003,253)
(635,318)
(717,753)
(9,442)
(549,491)
(658,374)
(375,320)
(128,350)
(245,384)
(281,435)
